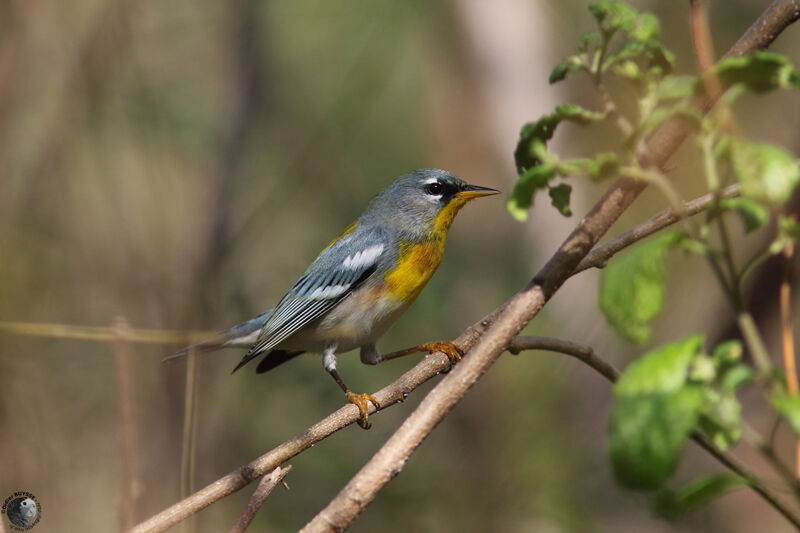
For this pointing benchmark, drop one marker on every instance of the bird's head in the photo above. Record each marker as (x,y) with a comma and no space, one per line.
(425,200)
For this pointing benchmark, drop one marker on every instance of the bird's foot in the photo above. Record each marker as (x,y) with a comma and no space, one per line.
(361,401)
(453,352)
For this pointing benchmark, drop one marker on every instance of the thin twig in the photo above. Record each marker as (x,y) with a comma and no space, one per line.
(188,429)
(787,334)
(786,322)
(578,351)
(104,334)
(703,43)
(264,488)
(767,450)
(392,394)
(131,484)
(599,257)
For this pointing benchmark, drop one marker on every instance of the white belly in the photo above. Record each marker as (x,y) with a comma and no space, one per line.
(360,318)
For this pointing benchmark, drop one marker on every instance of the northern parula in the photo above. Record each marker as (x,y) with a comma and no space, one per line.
(360,283)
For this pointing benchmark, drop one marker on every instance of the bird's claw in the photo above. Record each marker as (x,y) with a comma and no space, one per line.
(453,352)
(360,401)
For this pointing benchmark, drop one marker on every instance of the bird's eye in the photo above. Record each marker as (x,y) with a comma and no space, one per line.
(434,188)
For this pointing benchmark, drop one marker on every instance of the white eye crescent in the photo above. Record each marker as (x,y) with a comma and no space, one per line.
(434,188)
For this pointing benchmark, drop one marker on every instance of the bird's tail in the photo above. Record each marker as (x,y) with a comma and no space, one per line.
(242,335)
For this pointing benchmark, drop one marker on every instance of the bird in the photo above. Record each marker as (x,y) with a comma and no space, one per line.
(360,283)
(22,511)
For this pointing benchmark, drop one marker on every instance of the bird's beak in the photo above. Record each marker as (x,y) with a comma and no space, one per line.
(475,191)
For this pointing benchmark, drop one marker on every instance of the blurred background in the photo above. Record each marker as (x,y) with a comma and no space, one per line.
(177,166)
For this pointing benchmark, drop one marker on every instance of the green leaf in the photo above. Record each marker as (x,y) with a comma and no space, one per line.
(759,72)
(526,186)
(589,40)
(632,288)
(534,135)
(767,172)
(654,411)
(577,114)
(727,353)
(612,15)
(736,377)
(659,60)
(721,417)
(647,434)
(753,214)
(703,370)
(559,196)
(675,86)
(672,505)
(628,69)
(604,165)
(646,28)
(788,406)
(788,234)
(565,68)
(684,111)
(534,163)
(663,369)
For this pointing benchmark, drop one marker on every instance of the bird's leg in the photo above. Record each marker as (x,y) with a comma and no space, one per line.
(359,400)
(450,349)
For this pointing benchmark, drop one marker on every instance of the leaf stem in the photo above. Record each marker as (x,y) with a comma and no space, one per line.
(755,344)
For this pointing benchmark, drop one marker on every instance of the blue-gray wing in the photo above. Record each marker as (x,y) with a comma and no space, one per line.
(334,274)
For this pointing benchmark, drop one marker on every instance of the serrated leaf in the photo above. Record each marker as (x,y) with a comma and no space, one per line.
(559,196)
(767,172)
(753,214)
(648,432)
(759,72)
(526,186)
(788,406)
(672,505)
(632,288)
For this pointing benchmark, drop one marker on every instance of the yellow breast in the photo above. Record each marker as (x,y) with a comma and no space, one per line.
(415,266)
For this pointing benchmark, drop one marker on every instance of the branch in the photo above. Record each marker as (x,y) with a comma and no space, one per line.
(516,314)
(586,354)
(263,490)
(494,332)
(578,351)
(394,393)
(599,257)
(131,483)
